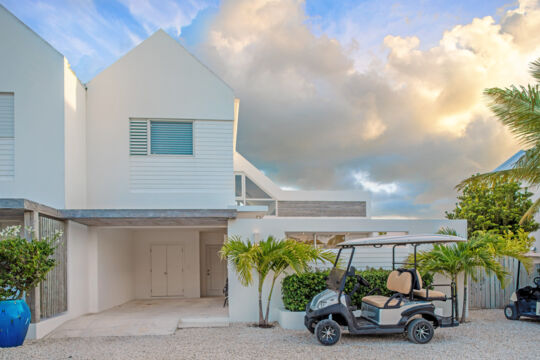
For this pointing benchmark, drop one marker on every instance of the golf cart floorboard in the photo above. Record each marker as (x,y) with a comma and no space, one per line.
(365,327)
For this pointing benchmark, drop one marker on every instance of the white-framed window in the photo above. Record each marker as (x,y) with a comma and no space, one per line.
(250,194)
(7,136)
(160,137)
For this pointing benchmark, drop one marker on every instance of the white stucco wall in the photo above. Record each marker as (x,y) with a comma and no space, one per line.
(116,280)
(75,140)
(243,300)
(159,79)
(145,238)
(34,71)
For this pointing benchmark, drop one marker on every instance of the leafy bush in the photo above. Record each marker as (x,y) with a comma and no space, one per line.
(298,289)
(497,207)
(23,264)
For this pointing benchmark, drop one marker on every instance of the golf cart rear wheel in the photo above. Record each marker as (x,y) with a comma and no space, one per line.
(510,312)
(328,332)
(420,331)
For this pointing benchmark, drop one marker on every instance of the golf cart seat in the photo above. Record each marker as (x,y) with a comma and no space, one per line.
(426,294)
(399,281)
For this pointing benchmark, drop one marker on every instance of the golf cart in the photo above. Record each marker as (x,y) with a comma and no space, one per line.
(525,301)
(409,309)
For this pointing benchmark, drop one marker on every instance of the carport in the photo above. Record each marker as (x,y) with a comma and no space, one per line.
(126,271)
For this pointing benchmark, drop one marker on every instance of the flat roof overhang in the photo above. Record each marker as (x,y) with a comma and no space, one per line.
(123,217)
(150,217)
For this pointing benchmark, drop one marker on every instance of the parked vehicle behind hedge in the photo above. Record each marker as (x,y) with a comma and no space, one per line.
(298,289)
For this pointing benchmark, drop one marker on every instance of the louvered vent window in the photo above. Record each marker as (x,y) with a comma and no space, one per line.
(159,137)
(171,138)
(7,136)
(138,137)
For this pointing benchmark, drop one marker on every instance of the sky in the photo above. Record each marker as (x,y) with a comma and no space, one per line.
(384,96)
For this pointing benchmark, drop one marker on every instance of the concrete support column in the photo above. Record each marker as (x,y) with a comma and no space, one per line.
(31,231)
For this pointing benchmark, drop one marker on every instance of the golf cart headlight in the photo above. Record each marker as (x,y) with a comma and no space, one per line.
(325,302)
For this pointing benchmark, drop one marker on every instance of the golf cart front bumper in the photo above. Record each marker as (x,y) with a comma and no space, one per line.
(324,313)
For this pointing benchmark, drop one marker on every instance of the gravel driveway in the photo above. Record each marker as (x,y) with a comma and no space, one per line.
(488,335)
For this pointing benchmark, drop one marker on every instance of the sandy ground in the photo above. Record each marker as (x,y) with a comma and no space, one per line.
(488,336)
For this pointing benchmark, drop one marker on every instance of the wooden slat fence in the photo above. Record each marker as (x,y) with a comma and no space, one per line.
(53,291)
(487,292)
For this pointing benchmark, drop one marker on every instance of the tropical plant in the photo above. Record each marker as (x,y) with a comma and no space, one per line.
(494,207)
(23,264)
(464,258)
(269,256)
(518,108)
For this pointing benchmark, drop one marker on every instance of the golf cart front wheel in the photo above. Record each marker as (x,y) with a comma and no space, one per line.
(510,312)
(420,331)
(328,332)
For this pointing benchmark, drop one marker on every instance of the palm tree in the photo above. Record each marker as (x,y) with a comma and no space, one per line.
(266,256)
(461,258)
(518,108)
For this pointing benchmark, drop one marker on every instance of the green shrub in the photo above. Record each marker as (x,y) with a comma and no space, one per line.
(298,289)
(23,264)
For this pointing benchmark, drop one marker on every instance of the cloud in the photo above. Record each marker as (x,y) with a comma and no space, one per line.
(311,118)
(362,178)
(166,14)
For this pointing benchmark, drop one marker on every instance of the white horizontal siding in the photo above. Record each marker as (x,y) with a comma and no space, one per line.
(210,169)
(7,137)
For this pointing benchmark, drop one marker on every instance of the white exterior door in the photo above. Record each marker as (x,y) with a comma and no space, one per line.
(158,270)
(167,270)
(175,262)
(216,272)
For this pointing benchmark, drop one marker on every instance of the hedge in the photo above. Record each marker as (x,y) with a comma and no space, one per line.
(298,289)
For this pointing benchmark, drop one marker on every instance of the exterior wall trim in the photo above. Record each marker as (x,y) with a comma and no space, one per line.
(290,208)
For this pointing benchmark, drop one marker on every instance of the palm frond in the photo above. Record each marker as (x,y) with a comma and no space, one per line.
(519,109)
(530,176)
(242,255)
(530,212)
(535,69)
(447,231)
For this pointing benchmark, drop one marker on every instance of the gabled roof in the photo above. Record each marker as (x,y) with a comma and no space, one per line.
(161,34)
(509,164)
(9,13)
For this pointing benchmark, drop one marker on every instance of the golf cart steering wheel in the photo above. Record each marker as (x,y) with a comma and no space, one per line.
(362,281)
(537,281)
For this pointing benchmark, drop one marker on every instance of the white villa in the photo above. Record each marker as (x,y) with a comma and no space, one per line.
(139,169)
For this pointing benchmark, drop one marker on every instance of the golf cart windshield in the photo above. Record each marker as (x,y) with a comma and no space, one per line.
(334,278)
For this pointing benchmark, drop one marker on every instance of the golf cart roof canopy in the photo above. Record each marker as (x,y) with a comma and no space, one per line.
(402,240)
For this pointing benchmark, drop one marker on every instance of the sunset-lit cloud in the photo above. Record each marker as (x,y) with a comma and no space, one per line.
(418,118)
(374,95)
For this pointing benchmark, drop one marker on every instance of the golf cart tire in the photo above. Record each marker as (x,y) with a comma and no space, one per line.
(510,312)
(328,332)
(420,331)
